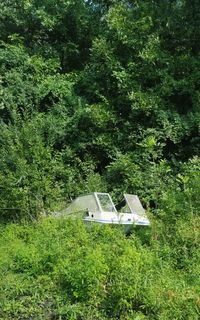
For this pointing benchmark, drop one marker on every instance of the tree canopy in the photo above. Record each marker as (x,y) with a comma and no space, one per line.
(91,89)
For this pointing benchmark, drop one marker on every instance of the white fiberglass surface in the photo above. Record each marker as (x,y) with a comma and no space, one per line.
(106,202)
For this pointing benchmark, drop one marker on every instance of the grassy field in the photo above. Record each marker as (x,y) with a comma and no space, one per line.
(60,269)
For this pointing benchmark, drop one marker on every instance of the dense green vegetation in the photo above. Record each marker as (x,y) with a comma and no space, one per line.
(99,95)
(59,269)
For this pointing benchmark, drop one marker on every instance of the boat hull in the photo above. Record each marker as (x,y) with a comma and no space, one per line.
(127,226)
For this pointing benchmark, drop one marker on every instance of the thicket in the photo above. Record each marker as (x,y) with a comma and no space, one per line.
(59,269)
(99,95)
(95,95)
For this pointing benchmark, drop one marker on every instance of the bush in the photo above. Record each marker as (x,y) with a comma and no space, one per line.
(60,269)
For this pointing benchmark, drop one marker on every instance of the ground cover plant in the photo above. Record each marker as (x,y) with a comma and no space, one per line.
(59,269)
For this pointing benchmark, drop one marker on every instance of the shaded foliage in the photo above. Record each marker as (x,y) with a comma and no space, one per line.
(98,88)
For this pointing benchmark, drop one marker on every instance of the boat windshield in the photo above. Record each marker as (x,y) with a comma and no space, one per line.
(84,202)
(106,202)
(134,204)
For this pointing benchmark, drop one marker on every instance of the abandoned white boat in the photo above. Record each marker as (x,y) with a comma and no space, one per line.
(99,207)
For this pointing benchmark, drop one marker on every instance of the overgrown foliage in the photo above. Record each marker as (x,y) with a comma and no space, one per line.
(95,95)
(99,95)
(59,269)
